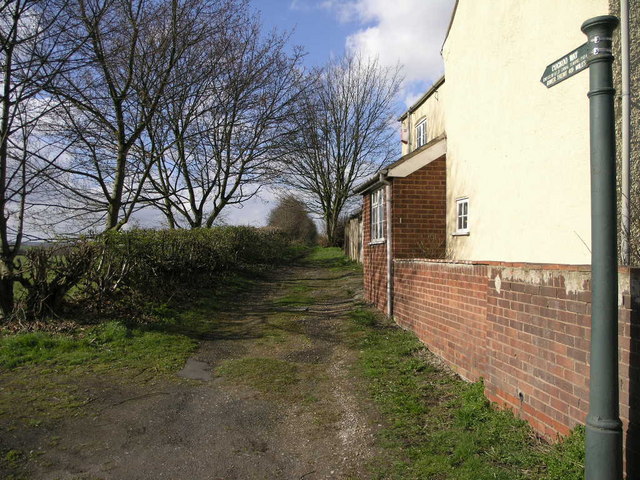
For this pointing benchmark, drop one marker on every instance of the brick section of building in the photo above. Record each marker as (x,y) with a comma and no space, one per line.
(374,263)
(524,329)
(418,228)
(419,211)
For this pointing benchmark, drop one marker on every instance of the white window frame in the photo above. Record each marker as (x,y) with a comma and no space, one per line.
(421,133)
(377,215)
(462,216)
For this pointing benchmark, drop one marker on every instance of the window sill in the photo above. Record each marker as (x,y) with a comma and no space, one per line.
(379,241)
(460,234)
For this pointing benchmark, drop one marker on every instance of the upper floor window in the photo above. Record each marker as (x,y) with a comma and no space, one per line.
(421,133)
(377,215)
(462,215)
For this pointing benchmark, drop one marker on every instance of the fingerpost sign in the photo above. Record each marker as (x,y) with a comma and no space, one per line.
(603,459)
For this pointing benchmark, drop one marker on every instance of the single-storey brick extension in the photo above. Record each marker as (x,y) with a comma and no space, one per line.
(477,238)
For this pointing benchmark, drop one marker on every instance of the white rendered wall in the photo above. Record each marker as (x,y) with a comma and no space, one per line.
(433,110)
(518,150)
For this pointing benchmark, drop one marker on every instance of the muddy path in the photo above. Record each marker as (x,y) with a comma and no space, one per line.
(271,393)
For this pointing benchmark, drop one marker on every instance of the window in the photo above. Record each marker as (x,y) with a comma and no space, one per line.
(421,133)
(377,215)
(462,216)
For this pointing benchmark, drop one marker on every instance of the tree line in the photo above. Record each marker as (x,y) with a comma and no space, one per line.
(111,106)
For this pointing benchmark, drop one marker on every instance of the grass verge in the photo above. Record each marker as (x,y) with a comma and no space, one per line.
(440,427)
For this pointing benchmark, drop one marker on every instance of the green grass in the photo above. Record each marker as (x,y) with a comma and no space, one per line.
(42,374)
(111,345)
(439,427)
(298,295)
(268,375)
(287,381)
(332,258)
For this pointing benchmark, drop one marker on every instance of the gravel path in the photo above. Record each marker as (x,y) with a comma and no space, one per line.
(204,425)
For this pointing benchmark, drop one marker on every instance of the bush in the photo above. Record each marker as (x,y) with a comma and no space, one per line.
(140,265)
(291,217)
(49,273)
(149,263)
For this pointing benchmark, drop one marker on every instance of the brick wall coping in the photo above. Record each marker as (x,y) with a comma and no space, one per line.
(524,265)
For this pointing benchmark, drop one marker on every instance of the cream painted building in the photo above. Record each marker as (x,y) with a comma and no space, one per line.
(517,152)
(424,121)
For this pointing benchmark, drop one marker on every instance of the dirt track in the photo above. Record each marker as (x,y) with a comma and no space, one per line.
(206,425)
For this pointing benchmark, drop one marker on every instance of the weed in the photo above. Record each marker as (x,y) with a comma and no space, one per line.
(332,258)
(294,299)
(565,461)
(12,457)
(108,345)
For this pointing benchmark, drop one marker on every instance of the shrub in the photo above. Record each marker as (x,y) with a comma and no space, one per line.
(148,263)
(291,217)
(48,274)
(130,268)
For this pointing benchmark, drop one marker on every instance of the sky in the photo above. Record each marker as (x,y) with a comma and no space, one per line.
(408,33)
(405,32)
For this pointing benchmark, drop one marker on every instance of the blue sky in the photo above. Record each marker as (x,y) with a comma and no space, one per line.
(317,30)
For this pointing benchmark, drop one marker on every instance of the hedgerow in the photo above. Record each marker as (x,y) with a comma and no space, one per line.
(130,268)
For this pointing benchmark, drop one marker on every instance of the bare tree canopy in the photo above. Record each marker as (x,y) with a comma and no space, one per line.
(344,134)
(32,55)
(218,134)
(126,54)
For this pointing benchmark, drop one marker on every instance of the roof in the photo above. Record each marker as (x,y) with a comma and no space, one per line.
(423,98)
(406,165)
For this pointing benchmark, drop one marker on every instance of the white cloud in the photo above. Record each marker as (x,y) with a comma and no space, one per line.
(405,32)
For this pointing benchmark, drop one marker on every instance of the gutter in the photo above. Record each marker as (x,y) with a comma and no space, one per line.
(453,15)
(625,240)
(373,182)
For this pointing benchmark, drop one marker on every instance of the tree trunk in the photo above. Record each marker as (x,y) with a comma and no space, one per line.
(6,297)
(115,202)
(331,225)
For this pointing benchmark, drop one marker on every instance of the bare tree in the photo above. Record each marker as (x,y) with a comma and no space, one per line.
(344,135)
(127,51)
(32,55)
(216,139)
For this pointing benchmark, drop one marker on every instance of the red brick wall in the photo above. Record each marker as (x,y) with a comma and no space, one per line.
(419,212)
(446,306)
(538,335)
(525,329)
(374,262)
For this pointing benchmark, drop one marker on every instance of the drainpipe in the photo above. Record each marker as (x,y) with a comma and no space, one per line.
(625,217)
(387,183)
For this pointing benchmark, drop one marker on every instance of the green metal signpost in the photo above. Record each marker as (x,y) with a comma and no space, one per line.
(604,430)
(603,426)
